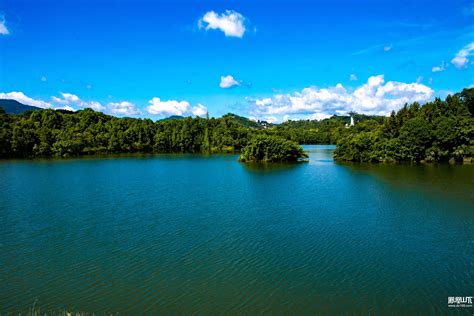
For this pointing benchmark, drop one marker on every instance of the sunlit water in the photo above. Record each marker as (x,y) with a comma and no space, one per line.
(209,235)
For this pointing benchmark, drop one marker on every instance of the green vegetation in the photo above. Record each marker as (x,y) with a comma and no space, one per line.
(266,148)
(438,131)
(62,133)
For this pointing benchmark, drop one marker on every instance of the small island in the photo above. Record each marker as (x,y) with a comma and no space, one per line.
(268,148)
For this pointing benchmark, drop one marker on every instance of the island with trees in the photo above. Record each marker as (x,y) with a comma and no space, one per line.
(270,148)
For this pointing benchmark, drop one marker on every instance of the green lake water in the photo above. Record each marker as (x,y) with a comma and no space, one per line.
(191,234)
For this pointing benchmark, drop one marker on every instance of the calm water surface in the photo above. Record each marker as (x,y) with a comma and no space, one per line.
(209,235)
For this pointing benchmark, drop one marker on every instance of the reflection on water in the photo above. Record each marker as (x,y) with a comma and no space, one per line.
(271,167)
(446,180)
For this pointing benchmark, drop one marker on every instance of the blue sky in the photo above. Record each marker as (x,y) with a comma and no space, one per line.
(268,60)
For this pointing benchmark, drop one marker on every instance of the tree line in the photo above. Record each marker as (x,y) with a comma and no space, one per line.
(62,133)
(437,131)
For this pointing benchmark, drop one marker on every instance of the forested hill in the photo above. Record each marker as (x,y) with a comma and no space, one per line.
(438,131)
(247,122)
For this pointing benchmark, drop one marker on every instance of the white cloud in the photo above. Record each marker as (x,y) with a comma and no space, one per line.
(43,78)
(321,116)
(3,28)
(71,101)
(271,119)
(74,101)
(123,108)
(228,82)
(387,48)
(170,107)
(22,98)
(439,68)
(68,98)
(373,97)
(352,77)
(419,79)
(460,60)
(230,22)
(173,107)
(199,110)
(65,107)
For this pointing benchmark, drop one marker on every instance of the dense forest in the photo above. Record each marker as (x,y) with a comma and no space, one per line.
(61,133)
(437,131)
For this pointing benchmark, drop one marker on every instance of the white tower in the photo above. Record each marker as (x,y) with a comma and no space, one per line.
(352,121)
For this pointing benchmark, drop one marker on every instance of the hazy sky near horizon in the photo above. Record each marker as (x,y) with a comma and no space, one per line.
(272,60)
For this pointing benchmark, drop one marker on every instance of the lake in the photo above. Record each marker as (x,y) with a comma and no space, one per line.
(194,234)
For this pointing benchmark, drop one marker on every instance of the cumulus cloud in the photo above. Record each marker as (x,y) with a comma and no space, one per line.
(71,101)
(3,27)
(373,97)
(74,101)
(199,110)
(461,58)
(22,98)
(387,48)
(173,107)
(230,22)
(352,77)
(228,82)
(43,78)
(123,108)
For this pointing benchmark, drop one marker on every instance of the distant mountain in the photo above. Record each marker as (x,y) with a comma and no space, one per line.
(173,117)
(15,107)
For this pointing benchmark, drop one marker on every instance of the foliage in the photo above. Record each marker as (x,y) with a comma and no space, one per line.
(437,131)
(266,148)
(48,133)
(246,122)
(62,133)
